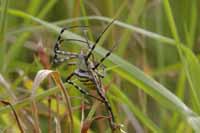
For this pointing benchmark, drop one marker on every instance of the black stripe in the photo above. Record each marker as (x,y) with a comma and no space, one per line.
(84,80)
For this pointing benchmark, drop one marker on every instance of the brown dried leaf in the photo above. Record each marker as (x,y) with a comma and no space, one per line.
(15,114)
(59,83)
(43,56)
(41,75)
(87,123)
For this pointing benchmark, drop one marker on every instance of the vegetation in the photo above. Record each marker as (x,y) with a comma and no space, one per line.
(153,75)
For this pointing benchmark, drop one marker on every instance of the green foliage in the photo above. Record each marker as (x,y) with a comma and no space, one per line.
(169,104)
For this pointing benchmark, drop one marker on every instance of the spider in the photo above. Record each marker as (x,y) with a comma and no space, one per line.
(87,70)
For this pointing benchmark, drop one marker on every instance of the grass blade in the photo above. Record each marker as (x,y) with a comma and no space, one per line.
(134,75)
(41,75)
(189,60)
(4,7)
(15,114)
(122,98)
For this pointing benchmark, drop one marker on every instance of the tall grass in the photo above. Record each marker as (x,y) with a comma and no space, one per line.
(169,104)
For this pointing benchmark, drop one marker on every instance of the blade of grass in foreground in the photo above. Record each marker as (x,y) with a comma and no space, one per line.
(15,115)
(41,75)
(4,6)
(33,8)
(189,60)
(134,75)
(120,97)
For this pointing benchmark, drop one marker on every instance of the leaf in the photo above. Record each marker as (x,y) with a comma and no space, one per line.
(41,75)
(88,122)
(130,72)
(123,99)
(4,6)
(15,114)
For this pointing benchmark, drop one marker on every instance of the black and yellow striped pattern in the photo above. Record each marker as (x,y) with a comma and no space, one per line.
(88,71)
(89,84)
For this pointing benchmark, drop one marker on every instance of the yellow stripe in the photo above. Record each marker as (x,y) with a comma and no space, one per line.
(87,83)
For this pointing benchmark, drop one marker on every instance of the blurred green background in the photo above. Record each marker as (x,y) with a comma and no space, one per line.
(152,76)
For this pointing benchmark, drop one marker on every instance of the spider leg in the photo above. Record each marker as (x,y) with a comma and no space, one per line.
(83,91)
(58,51)
(60,40)
(106,56)
(103,97)
(101,75)
(108,106)
(88,44)
(79,88)
(70,54)
(97,40)
(70,76)
(68,28)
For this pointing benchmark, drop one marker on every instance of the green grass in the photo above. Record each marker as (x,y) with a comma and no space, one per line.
(153,44)
(4,7)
